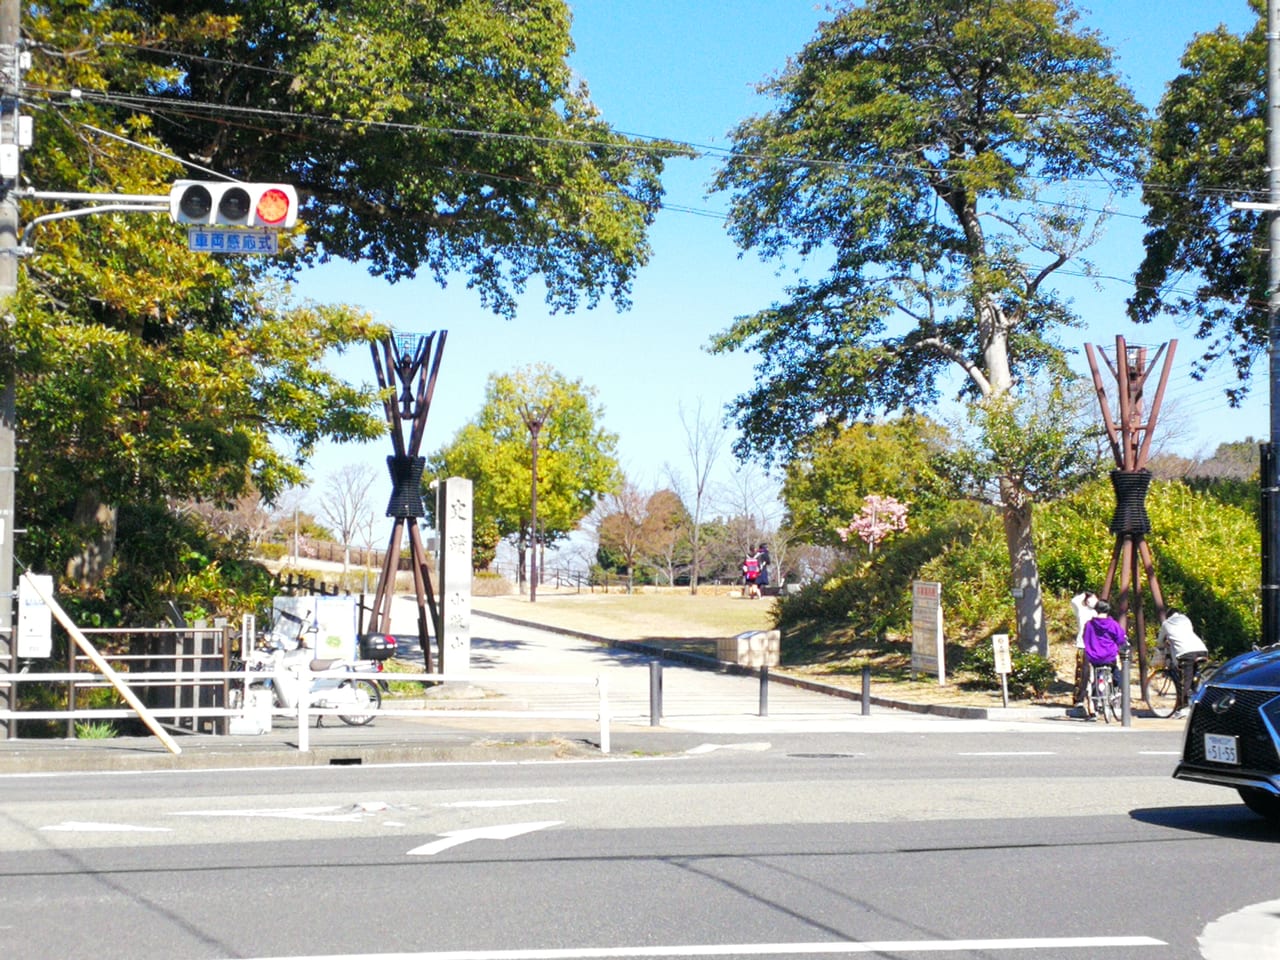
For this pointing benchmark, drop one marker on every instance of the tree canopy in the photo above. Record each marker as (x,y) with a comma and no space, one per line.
(1204,259)
(914,161)
(445,136)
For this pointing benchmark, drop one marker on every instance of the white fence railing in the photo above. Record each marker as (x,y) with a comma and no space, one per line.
(304,710)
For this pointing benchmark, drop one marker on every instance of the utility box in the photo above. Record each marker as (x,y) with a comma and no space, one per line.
(755,648)
(256,719)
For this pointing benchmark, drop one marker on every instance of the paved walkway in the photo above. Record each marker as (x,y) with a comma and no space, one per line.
(495,710)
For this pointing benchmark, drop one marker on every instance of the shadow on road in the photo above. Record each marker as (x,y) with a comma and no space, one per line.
(1235,823)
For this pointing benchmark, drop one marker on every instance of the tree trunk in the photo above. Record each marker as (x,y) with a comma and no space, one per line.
(98,520)
(1024,575)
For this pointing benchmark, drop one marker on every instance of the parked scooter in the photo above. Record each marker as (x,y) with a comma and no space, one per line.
(289,657)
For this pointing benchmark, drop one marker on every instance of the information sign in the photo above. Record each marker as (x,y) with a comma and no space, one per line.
(35,619)
(1000,649)
(237,240)
(1003,663)
(927,654)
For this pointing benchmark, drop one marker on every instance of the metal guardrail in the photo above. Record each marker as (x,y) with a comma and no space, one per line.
(304,711)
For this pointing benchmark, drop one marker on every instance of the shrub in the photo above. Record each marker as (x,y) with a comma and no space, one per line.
(1031,674)
(1207,557)
(271,551)
(485,583)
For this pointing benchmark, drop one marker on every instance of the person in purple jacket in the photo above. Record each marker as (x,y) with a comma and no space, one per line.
(1104,638)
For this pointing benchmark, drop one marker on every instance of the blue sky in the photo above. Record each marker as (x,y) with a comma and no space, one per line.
(686,69)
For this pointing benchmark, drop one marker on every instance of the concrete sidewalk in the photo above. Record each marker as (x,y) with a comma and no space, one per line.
(465,722)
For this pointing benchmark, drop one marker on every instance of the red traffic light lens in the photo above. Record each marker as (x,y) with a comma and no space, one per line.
(273,206)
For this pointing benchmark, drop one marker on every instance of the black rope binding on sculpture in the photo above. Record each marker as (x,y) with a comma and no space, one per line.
(1131,501)
(406,487)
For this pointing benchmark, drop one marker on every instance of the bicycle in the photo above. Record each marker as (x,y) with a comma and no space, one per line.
(1164,685)
(1103,695)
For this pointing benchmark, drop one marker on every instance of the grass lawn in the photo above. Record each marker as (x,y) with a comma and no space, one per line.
(667,618)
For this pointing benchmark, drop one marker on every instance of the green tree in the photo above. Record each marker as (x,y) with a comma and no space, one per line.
(1209,147)
(908,155)
(442,135)
(830,472)
(577,460)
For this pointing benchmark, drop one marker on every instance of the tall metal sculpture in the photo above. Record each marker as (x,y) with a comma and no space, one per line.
(1130,437)
(407,367)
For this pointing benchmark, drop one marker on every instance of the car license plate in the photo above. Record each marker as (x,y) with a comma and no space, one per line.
(1220,749)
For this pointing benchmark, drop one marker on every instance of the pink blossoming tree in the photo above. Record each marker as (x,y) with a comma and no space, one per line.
(880,517)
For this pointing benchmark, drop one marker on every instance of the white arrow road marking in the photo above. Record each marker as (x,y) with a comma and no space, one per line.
(495,803)
(1253,932)
(503,831)
(80,826)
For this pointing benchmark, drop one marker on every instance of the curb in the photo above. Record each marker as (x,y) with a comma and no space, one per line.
(140,754)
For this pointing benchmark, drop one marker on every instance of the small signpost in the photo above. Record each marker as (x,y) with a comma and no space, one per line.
(35,619)
(927,654)
(1004,663)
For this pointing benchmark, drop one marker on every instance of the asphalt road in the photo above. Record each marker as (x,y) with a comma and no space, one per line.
(895,844)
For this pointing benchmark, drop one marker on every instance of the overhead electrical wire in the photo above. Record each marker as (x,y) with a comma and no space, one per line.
(159,105)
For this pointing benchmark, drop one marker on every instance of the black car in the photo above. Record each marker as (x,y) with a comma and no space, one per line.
(1233,734)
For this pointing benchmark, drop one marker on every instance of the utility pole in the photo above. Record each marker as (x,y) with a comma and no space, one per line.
(10,64)
(1269,474)
(534,417)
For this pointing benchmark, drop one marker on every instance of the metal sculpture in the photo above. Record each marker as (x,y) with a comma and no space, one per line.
(407,366)
(1130,436)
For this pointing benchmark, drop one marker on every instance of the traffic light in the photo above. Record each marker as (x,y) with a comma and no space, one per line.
(233,204)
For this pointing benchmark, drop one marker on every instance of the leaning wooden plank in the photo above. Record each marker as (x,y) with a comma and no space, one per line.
(92,653)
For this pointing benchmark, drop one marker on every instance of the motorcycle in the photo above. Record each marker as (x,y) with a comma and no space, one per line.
(289,660)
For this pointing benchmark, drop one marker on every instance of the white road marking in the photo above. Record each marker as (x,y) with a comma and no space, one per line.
(495,803)
(746,747)
(80,826)
(503,831)
(757,949)
(1253,932)
(320,814)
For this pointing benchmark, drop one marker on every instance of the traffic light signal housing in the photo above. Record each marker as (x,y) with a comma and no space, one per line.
(233,204)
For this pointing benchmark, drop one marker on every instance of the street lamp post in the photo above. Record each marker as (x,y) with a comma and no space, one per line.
(534,417)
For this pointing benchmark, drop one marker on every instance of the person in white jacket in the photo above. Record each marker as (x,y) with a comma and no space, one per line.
(1181,645)
(1083,605)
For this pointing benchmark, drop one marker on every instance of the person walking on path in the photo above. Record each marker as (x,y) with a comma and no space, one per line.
(750,574)
(1083,605)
